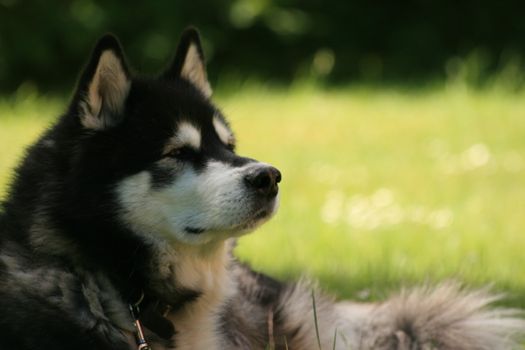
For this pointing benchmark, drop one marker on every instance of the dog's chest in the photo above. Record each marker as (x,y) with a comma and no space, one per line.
(197,323)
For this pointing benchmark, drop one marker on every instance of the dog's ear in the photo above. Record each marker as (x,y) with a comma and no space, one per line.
(103,86)
(189,62)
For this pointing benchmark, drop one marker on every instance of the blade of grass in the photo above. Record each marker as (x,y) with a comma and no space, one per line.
(315,320)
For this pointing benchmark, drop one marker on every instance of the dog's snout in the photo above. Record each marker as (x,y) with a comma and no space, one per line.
(264,180)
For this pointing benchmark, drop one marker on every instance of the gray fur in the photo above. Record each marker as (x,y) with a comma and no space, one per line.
(87,299)
(444,317)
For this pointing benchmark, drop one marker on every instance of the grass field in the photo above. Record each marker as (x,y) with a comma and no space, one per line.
(381,187)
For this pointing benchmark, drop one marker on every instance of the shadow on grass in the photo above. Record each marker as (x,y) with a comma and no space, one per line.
(380,285)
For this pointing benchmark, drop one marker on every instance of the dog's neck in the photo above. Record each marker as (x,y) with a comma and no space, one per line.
(202,269)
(199,268)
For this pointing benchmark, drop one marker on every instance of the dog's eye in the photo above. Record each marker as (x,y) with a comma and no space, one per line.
(182,153)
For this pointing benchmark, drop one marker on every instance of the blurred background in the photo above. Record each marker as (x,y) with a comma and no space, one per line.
(277,40)
(399,126)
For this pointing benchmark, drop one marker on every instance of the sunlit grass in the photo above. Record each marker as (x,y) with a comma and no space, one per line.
(22,119)
(381,187)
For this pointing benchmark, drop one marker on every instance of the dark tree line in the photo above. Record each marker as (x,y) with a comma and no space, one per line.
(45,41)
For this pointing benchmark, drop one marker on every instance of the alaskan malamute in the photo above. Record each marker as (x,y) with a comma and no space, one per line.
(118,229)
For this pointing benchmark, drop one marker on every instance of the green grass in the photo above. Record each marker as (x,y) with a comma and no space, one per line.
(381,187)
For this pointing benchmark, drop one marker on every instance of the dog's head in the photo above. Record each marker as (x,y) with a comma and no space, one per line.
(164,152)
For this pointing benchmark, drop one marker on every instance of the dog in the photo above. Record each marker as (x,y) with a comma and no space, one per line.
(118,228)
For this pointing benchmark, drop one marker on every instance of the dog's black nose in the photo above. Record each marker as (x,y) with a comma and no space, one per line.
(264,179)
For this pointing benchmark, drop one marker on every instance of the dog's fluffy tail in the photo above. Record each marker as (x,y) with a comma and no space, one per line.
(441,318)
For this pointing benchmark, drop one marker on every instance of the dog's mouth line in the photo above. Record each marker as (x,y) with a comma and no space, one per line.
(194,230)
(254,218)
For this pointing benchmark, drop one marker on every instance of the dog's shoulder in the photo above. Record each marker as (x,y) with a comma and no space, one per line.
(256,287)
(76,309)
